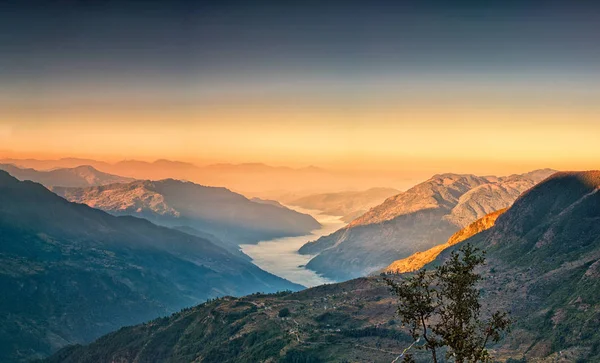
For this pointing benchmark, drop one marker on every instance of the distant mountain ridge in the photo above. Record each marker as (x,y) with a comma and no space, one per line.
(414,221)
(543,266)
(349,205)
(251,179)
(217,211)
(70,273)
(80,176)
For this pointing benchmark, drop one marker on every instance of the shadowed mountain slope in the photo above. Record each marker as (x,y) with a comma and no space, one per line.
(69,273)
(543,265)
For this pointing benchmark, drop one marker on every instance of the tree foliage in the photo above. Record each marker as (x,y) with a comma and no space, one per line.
(284,312)
(442,307)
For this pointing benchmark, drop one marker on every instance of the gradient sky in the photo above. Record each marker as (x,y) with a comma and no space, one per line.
(478,86)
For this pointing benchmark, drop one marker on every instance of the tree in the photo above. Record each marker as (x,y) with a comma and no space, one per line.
(443,308)
(284,312)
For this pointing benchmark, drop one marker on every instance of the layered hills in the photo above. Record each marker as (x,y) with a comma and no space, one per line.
(414,221)
(229,216)
(70,273)
(252,179)
(349,205)
(543,266)
(79,176)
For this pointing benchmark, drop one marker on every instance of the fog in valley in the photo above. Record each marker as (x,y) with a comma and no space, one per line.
(280,256)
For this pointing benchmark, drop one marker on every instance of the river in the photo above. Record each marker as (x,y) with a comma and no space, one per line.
(280,256)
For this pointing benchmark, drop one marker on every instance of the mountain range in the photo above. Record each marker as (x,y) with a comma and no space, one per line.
(543,266)
(414,221)
(79,176)
(349,205)
(251,179)
(215,213)
(70,273)
(229,216)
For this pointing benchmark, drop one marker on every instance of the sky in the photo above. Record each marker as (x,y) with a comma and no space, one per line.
(482,87)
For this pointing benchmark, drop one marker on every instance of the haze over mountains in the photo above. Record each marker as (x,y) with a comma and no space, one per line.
(414,221)
(224,217)
(250,179)
(233,181)
(229,216)
(78,176)
(83,272)
(349,205)
(543,265)
(70,273)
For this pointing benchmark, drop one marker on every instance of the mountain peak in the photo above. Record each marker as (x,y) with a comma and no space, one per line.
(79,176)
(87,168)
(6,178)
(440,191)
(415,220)
(590,178)
(454,176)
(173,163)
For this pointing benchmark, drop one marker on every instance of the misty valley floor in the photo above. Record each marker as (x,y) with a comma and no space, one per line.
(280,256)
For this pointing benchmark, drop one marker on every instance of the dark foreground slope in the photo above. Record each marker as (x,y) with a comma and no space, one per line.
(70,273)
(352,321)
(543,266)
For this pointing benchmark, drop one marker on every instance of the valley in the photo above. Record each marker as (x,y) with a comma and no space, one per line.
(543,263)
(299,182)
(280,256)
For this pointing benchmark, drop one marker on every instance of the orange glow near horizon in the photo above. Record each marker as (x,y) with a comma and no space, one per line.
(396,89)
(436,138)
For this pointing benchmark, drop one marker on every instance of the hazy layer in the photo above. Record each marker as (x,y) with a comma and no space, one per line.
(280,256)
(492,138)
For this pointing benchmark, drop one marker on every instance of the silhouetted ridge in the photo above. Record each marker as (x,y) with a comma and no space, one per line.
(70,273)
(565,189)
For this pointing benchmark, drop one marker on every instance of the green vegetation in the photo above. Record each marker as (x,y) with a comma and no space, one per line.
(443,308)
(70,273)
(284,312)
(299,356)
(545,254)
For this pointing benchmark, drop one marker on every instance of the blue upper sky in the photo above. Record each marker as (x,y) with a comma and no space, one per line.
(311,82)
(57,39)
